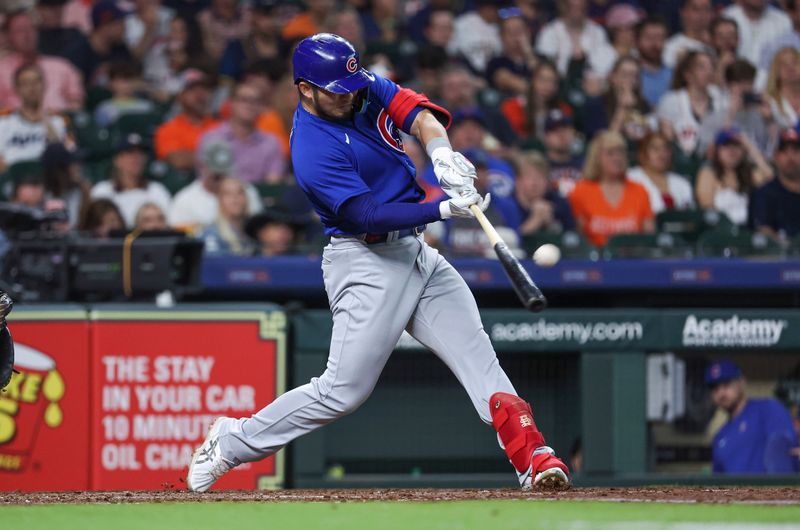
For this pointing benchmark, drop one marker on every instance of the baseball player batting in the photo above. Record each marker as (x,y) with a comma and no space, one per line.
(380,276)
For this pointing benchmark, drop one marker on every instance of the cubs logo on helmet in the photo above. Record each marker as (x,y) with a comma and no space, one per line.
(352,64)
(389,132)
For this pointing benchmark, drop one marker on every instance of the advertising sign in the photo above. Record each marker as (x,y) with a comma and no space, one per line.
(162,378)
(44,411)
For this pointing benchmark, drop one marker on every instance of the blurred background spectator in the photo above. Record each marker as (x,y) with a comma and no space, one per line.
(667,190)
(128,186)
(696,35)
(776,205)
(736,168)
(100,218)
(699,99)
(783,87)
(226,234)
(26,131)
(63,89)
(605,202)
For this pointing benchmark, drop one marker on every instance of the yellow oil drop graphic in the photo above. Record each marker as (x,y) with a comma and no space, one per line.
(53,416)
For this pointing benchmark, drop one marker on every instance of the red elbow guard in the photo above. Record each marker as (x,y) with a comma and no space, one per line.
(406,100)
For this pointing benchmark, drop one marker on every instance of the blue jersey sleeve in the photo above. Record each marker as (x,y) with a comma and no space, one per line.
(781,439)
(373,218)
(326,172)
(403,105)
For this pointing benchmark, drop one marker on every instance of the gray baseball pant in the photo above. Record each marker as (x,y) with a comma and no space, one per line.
(375,292)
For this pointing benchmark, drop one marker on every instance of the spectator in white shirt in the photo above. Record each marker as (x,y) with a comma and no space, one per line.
(147,32)
(783,87)
(477,35)
(695,20)
(758,23)
(667,190)
(128,186)
(573,37)
(26,132)
(790,39)
(692,98)
(196,206)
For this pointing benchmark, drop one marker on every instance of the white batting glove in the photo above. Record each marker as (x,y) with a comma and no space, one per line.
(456,174)
(459,206)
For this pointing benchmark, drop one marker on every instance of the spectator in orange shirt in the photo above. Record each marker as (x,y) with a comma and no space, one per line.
(309,22)
(176,140)
(605,202)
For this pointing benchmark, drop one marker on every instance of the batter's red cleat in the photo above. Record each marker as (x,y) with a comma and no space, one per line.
(550,472)
(535,463)
(208,465)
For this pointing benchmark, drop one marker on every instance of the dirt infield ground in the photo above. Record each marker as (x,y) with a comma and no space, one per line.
(753,495)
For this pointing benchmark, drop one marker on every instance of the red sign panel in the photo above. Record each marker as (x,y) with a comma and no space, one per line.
(44,411)
(160,380)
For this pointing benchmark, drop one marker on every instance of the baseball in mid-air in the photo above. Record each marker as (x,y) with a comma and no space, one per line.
(547,255)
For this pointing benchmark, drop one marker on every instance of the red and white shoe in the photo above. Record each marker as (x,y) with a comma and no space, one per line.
(535,462)
(550,472)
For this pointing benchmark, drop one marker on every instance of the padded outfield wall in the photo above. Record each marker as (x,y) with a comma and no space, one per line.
(122,392)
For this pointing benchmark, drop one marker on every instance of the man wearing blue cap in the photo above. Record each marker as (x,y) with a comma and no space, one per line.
(759,436)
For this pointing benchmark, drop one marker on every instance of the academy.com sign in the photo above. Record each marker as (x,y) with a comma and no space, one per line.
(566,331)
(733,331)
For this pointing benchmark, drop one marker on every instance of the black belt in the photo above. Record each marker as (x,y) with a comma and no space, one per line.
(372,239)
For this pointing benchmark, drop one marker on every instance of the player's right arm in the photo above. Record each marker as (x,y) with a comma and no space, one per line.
(415,114)
(330,176)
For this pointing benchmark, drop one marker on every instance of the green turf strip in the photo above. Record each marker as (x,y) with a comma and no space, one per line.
(483,515)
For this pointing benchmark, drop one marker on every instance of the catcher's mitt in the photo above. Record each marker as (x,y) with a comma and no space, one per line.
(6,343)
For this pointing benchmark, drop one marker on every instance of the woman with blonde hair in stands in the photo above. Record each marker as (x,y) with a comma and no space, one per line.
(605,202)
(227,234)
(667,190)
(783,87)
(737,167)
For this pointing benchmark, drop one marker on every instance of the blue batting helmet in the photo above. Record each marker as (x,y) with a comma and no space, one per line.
(329,62)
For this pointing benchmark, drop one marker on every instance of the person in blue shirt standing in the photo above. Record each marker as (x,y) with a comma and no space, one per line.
(380,276)
(759,436)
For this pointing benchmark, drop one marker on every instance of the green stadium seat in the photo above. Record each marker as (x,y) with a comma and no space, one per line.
(94,142)
(743,243)
(652,246)
(96,170)
(794,246)
(173,179)
(270,193)
(96,95)
(144,124)
(689,224)
(572,244)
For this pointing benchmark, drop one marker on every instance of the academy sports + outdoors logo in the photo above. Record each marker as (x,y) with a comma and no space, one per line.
(733,331)
(352,64)
(580,332)
(389,132)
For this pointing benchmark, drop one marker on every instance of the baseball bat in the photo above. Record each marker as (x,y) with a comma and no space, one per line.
(527,291)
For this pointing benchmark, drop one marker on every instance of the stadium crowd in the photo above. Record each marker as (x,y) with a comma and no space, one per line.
(593,123)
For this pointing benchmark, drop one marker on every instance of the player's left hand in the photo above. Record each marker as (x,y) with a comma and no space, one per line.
(460,206)
(456,174)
